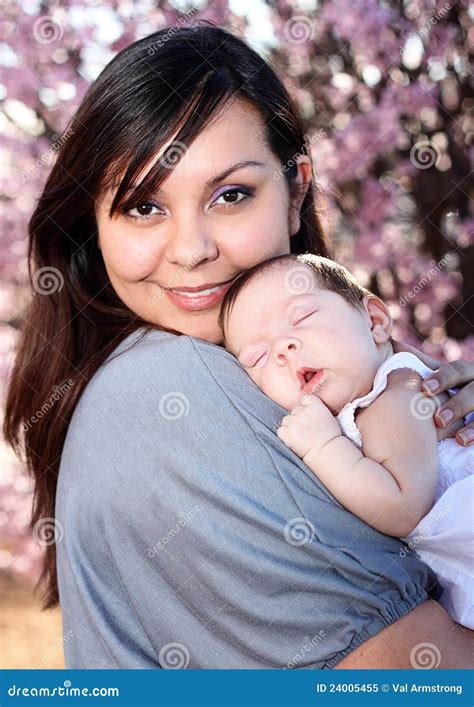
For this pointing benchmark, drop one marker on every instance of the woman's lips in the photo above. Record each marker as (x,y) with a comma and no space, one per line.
(193,301)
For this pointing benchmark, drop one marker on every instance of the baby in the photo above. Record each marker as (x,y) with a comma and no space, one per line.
(319,344)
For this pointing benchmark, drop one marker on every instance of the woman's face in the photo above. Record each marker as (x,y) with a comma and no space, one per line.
(194,235)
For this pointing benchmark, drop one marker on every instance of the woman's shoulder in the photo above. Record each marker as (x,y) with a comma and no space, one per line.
(149,369)
(157,387)
(148,356)
(149,363)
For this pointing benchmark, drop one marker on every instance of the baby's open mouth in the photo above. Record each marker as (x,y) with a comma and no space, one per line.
(309,378)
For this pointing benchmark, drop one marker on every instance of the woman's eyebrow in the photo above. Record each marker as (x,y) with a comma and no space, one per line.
(238,165)
(209,184)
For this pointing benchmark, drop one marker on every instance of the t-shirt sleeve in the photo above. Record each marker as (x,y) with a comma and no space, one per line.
(191,536)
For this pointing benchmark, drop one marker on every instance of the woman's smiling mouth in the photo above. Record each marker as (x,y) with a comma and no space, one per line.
(195,298)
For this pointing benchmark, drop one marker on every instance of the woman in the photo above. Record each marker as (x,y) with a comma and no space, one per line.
(187,534)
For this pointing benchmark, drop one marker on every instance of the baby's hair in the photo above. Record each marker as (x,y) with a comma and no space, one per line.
(327,274)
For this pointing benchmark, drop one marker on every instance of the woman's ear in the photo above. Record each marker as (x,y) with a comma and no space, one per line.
(381,322)
(298,189)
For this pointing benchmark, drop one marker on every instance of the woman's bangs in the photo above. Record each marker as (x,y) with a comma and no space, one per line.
(207,105)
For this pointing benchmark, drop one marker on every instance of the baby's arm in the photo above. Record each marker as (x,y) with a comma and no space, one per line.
(391,483)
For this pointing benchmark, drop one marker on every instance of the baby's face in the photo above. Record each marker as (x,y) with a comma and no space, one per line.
(277,332)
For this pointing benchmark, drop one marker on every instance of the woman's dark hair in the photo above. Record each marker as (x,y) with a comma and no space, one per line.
(167,84)
(327,274)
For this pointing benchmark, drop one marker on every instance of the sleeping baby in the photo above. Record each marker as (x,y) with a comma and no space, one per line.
(319,344)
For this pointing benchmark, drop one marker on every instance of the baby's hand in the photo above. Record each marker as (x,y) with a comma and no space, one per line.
(310,425)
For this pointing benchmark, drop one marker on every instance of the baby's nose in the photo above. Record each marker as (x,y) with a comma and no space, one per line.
(284,346)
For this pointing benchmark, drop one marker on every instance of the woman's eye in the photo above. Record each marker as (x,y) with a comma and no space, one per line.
(143,211)
(231,197)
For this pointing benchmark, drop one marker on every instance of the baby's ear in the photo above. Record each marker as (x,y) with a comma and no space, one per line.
(381,322)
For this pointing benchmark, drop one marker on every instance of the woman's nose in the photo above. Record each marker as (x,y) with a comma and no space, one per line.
(189,245)
(285,347)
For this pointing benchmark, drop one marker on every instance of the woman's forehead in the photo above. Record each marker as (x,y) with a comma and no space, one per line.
(236,134)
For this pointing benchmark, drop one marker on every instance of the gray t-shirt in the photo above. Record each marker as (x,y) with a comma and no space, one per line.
(193,537)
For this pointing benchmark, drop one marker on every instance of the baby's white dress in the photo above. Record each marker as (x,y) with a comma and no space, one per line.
(444,538)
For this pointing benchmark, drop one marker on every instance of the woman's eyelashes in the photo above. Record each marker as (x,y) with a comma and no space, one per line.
(142,216)
(233,192)
(229,194)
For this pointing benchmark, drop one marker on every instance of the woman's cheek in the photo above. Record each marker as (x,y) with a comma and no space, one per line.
(255,244)
(133,260)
